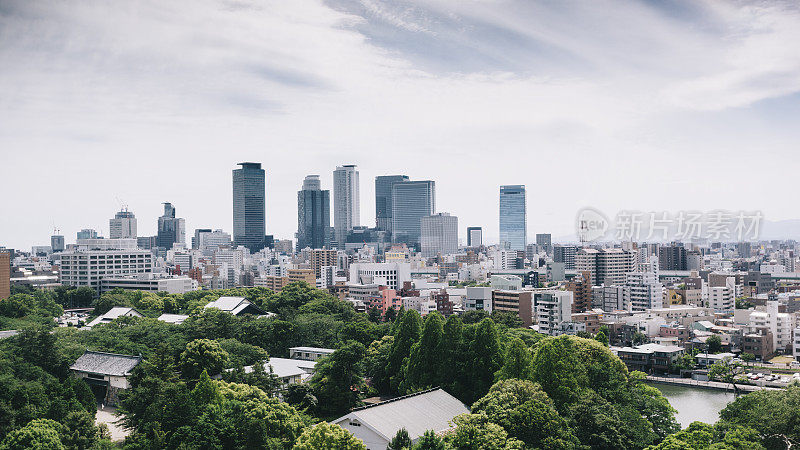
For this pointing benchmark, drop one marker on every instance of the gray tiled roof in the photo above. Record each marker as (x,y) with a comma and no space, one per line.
(417,413)
(105,363)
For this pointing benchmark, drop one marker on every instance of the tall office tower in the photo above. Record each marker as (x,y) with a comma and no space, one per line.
(170,228)
(672,257)
(5,274)
(57,242)
(513,217)
(313,215)
(439,235)
(474,236)
(198,232)
(249,200)
(565,254)
(346,202)
(123,225)
(87,233)
(209,242)
(383,200)
(544,242)
(411,201)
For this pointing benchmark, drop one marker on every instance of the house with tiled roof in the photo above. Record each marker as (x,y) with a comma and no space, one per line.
(105,373)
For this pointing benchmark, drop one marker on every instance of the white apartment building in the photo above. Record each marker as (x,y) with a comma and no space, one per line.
(89,267)
(478,298)
(553,308)
(643,291)
(781,325)
(422,304)
(209,241)
(149,282)
(722,299)
(392,274)
(504,259)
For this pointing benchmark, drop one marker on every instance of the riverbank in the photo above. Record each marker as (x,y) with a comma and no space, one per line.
(716,385)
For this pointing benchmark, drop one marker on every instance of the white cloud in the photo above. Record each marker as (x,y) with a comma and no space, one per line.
(604,103)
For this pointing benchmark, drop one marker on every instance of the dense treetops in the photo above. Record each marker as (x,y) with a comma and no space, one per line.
(525,390)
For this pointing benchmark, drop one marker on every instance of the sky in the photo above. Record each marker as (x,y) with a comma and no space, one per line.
(617,105)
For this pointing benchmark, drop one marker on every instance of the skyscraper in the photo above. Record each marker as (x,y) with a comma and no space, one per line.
(249,210)
(123,225)
(170,228)
(313,214)
(544,242)
(5,274)
(439,234)
(411,201)
(383,200)
(513,217)
(474,236)
(346,202)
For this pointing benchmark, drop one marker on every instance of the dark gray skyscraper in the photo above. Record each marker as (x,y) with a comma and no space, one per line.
(513,217)
(383,200)
(411,201)
(313,215)
(249,211)
(170,228)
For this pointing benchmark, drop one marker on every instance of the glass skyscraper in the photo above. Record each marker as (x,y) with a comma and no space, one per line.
(313,215)
(249,210)
(513,217)
(411,201)
(170,228)
(383,200)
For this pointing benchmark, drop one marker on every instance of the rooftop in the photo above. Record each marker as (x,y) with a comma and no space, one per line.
(106,363)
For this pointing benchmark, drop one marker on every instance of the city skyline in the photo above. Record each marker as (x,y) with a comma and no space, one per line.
(562,106)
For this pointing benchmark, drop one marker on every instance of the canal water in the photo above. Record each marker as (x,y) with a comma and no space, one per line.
(695,404)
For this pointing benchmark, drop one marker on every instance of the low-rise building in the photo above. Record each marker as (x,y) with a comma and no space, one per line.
(649,358)
(309,353)
(114,313)
(105,373)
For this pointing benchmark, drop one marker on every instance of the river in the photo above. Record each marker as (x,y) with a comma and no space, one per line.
(695,404)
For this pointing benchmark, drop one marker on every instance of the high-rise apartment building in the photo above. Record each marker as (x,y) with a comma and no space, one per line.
(439,235)
(411,201)
(320,258)
(581,288)
(606,266)
(171,229)
(513,217)
(553,308)
(57,243)
(672,257)
(313,214)
(5,274)
(346,202)
(249,206)
(123,225)
(565,254)
(383,200)
(474,236)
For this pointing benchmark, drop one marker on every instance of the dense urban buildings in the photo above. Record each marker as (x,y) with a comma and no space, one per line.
(513,217)
(249,206)
(57,243)
(346,202)
(411,201)
(122,226)
(383,200)
(313,215)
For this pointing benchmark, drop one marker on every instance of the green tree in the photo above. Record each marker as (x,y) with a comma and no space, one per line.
(509,319)
(485,359)
(424,355)
(407,335)
(747,357)
(400,441)
(429,441)
(202,355)
(772,414)
(639,338)
(517,361)
(80,432)
(526,413)
(714,344)
(602,338)
(39,434)
(337,379)
(476,431)
(721,435)
(328,436)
